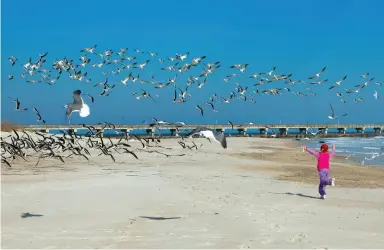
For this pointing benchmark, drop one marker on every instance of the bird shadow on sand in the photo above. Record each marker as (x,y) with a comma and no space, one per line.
(26,215)
(159,218)
(301,195)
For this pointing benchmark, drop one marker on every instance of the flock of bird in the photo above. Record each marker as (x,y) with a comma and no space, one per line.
(125,69)
(24,145)
(118,69)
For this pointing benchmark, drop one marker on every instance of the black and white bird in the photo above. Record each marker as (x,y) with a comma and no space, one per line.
(13,60)
(91,97)
(213,107)
(89,50)
(38,115)
(338,82)
(231,124)
(78,105)
(332,117)
(317,75)
(218,137)
(17,102)
(201,110)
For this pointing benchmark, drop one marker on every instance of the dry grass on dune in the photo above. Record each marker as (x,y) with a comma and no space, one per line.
(7,126)
(290,165)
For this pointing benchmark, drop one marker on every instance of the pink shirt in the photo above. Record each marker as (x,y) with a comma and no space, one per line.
(322,158)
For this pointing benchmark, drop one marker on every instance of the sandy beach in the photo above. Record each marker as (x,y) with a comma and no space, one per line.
(257,193)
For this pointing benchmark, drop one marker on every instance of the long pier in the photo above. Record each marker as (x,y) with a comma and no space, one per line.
(263,129)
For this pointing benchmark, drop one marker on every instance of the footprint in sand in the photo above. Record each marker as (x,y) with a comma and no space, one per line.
(298,238)
(267,241)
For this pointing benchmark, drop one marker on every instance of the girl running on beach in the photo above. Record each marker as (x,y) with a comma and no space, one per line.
(323,159)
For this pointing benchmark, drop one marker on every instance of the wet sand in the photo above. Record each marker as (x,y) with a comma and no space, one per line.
(258,193)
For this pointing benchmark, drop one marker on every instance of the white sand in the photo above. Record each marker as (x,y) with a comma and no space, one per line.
(220,205)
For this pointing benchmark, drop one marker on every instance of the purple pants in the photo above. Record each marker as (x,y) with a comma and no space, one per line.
(324,180)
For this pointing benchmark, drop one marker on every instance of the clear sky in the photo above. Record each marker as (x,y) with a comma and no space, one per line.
(298,37)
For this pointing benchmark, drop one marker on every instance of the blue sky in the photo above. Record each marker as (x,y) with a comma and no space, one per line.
(298,37)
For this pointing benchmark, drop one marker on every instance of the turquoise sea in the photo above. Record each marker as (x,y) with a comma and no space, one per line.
(366,151)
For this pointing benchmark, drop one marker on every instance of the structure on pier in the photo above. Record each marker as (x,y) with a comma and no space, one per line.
(242,129)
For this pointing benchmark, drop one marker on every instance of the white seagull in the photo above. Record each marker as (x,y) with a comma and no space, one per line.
(376,95)
(218,137)
(317,75)
(338,82)
(78,105)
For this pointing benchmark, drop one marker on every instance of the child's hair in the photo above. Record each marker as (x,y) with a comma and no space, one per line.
(324,148)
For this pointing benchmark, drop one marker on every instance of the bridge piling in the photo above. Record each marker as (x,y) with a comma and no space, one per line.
(150,131)
(303,130)
(360,130)
(341,130)
(263,131)
(283,131)
(241,131)
(174,132)
(72,131)
(325,130)
(378,130)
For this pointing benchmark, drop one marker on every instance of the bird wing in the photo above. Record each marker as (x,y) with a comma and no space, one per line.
(221,138)
(310,126)
(231,124)
(333,112)
(68,112)
(196,131)
(201,109)
(77,98)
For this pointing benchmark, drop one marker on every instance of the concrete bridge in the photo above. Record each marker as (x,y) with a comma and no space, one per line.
(281,129)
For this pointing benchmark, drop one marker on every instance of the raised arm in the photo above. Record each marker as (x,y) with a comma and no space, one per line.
(316,154)
(333,150)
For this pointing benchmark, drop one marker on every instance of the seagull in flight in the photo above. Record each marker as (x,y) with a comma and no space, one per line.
(376,95)
(92,98)
(218,137)
(338,82)
(78,105)
(17,102)
(332,117)
(89,50)
(13,60)
(38,115)
(201,110)
(212,106)
(317,75)
(231,124)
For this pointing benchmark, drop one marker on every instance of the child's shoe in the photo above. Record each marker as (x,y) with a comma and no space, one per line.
(333,182)
(323,197)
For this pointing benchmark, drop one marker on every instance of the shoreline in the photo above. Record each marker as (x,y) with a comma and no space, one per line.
(349,174)
(288,148)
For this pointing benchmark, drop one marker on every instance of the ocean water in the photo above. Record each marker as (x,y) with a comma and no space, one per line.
(366,151)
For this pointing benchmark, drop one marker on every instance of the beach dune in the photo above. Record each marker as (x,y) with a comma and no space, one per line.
(257,193)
